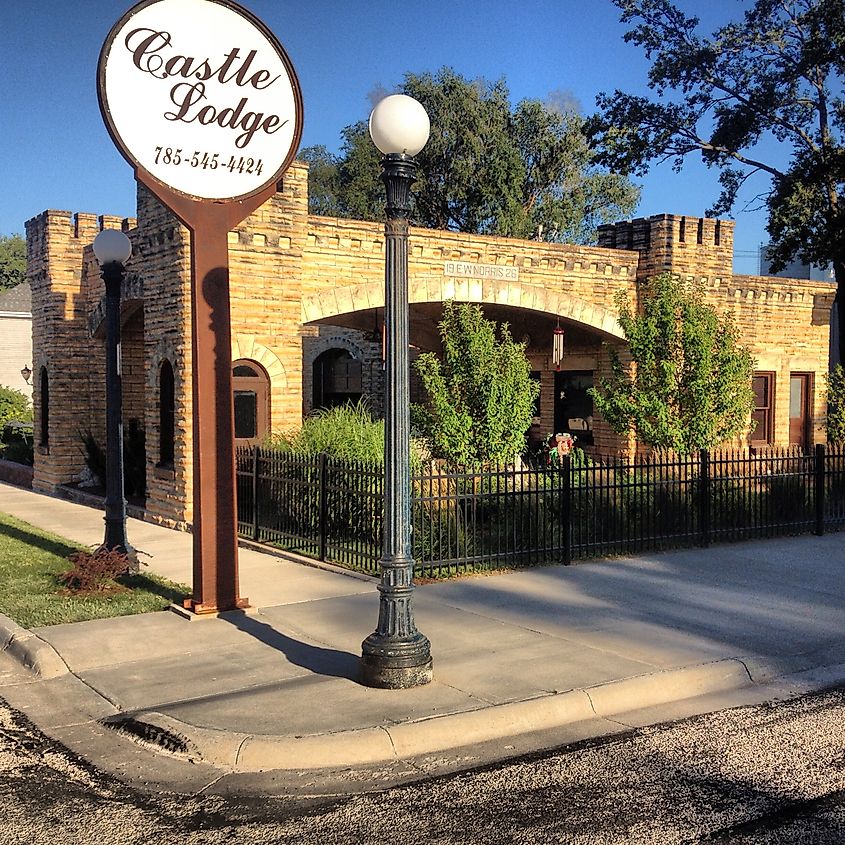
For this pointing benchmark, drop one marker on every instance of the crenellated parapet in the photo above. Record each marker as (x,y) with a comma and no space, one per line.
(698,246)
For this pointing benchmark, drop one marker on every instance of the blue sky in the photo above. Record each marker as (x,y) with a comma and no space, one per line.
(55,151)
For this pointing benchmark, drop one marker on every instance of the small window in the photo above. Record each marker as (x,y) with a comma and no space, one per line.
(246,415)
(244,371)
(45,408)
(166,415)
(251,400)
(763,385)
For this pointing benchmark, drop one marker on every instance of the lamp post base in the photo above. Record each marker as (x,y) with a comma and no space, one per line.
(391,661)
(375,674)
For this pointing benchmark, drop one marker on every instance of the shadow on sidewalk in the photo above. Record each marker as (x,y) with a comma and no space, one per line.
(321,661)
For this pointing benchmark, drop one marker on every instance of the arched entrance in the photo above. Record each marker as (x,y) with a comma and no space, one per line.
(336,379)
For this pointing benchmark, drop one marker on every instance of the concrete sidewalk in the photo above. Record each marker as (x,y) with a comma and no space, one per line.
(270,701)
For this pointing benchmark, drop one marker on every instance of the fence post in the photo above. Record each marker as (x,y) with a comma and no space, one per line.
(704,496)
(323,508)
(566,507)
(255,493)
(820,479)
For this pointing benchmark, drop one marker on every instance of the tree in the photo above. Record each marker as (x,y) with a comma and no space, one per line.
(481,397)
(835,395)
(776,76)
(690,387)
(14,407)
(322,181)
(12,261)
(489,168)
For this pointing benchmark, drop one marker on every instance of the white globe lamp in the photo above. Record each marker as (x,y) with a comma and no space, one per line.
(112,246)
(399,125)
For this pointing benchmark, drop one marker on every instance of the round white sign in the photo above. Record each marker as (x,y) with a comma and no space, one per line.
(202,96)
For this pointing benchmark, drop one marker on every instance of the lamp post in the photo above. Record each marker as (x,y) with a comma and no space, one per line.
(113,249)
(396,655)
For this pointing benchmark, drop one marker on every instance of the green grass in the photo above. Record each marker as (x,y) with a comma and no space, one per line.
(30,593)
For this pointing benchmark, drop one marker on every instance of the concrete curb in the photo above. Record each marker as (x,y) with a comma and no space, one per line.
(30,650)
(313,563)
(240,752)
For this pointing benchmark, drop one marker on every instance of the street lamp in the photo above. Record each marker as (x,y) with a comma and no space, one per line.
(396,655)
(113,249)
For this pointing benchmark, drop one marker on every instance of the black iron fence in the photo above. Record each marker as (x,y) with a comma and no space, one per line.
(510,516)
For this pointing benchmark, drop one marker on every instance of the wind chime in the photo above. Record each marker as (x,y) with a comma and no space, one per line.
(557,345)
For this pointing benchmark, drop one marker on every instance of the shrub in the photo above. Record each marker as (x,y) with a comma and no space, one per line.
(14,407)
(346,432)
(16,443)
(134,459)
(95,572)
(835,394)
(480,395)
(95,457)
(690,387)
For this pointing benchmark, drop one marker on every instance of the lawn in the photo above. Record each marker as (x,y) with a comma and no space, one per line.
(30,560)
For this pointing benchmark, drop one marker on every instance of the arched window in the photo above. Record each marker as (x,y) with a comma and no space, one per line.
(337,379)
(44,388)
(251,396)
(166,415)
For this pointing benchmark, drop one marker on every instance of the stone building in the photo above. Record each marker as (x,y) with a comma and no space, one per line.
(15,337)
(307,301)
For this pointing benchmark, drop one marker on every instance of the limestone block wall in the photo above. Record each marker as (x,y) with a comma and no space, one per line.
(785,323)
(696,246)
(344,271)
(61,303)
(291,273)
(266,267)
(162,248)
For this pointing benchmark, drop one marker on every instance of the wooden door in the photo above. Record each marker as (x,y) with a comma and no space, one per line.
(799,409)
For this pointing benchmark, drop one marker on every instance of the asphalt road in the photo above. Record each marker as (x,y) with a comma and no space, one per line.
(773,773)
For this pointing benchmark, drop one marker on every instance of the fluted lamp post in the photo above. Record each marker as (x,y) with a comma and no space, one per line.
(396,655)
(112,249)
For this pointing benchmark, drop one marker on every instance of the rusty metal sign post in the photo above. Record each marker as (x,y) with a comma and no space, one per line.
(202,100)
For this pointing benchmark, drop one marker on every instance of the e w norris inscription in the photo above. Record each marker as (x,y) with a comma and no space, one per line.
(200,95)
(465,270)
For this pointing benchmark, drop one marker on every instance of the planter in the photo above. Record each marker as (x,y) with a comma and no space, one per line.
(18,474)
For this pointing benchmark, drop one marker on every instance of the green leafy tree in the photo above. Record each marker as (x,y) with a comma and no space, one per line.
(690,385)
(12,261)
(489,168)
(14,407)
(481,395)
(835,395)
(762,95)
(323,181)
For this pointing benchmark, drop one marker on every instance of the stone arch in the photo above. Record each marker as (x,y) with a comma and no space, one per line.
(247,347)
(319,345)
(349,298)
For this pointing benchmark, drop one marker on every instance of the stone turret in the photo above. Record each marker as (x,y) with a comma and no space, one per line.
(688,246)
(63,369)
